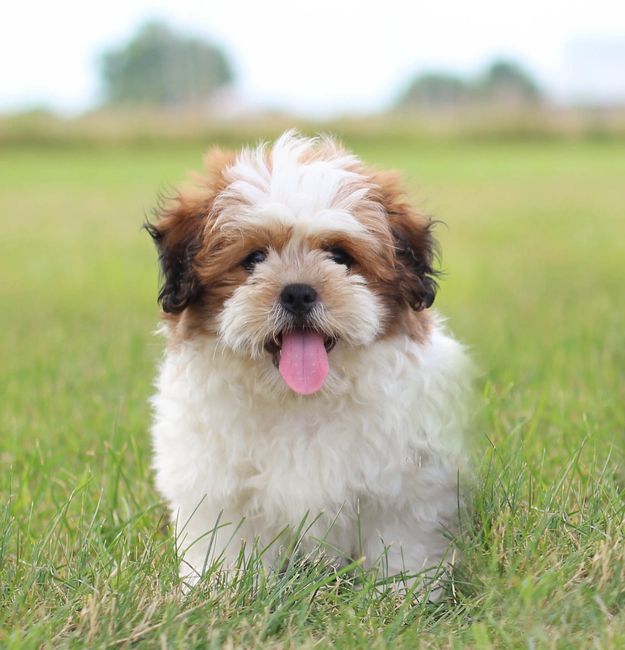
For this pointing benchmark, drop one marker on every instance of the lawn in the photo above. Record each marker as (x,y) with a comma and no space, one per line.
(534,258)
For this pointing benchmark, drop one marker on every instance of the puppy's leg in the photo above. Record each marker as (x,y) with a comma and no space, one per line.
(408,552)
(208,540)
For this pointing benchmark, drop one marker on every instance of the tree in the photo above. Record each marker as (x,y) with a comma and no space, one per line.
(435,90)
(505,82)
(159,66)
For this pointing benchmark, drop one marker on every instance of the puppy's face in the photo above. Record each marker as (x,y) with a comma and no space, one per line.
(284,253)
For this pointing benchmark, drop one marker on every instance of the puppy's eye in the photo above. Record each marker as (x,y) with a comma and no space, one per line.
(341,256)
(254,258)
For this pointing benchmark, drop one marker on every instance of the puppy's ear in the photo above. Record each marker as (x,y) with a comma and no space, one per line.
(177,235)
(415,246)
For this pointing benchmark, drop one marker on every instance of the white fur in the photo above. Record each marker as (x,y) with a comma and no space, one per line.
(309,196)
(375,457)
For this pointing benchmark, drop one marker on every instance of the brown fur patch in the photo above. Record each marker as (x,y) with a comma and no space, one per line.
(178,234)
(414,245)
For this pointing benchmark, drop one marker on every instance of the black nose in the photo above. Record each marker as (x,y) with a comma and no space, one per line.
(298,298)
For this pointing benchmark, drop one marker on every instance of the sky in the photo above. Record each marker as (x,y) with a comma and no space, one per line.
(319,58)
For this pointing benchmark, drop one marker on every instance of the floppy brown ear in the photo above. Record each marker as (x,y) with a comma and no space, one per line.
(415,245)
(178,234)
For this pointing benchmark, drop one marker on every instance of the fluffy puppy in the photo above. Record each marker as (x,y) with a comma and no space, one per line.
(305,378)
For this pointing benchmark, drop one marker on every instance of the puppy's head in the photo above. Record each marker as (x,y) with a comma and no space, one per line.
(284,252)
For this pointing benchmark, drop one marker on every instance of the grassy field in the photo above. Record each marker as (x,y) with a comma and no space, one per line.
(535,266)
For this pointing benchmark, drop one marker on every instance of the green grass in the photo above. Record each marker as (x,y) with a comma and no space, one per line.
(534,258)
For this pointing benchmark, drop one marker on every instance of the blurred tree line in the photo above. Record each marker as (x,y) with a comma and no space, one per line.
(161,67)
(504,83)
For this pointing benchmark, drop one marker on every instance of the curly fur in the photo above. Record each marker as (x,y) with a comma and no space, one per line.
(373,458)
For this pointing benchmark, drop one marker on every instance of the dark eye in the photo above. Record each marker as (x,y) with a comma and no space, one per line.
(254,258)
(340,256)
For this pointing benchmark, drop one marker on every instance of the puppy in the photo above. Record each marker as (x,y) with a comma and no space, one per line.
(307,389)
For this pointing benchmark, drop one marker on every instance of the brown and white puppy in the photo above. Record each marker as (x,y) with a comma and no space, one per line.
(304,375)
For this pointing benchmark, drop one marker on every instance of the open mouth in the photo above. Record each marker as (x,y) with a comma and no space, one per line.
(301,356)
(274,346)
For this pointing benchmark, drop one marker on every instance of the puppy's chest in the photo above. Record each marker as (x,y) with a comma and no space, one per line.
(318,453)
(249,445)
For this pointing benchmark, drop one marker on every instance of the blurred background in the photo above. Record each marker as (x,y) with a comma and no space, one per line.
(173,69)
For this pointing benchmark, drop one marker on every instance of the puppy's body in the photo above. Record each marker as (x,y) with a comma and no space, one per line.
(246,448)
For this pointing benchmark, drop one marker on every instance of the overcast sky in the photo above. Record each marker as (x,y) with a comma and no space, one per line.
(319,57)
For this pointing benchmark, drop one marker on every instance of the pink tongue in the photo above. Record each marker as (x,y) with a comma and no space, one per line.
(303,361)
